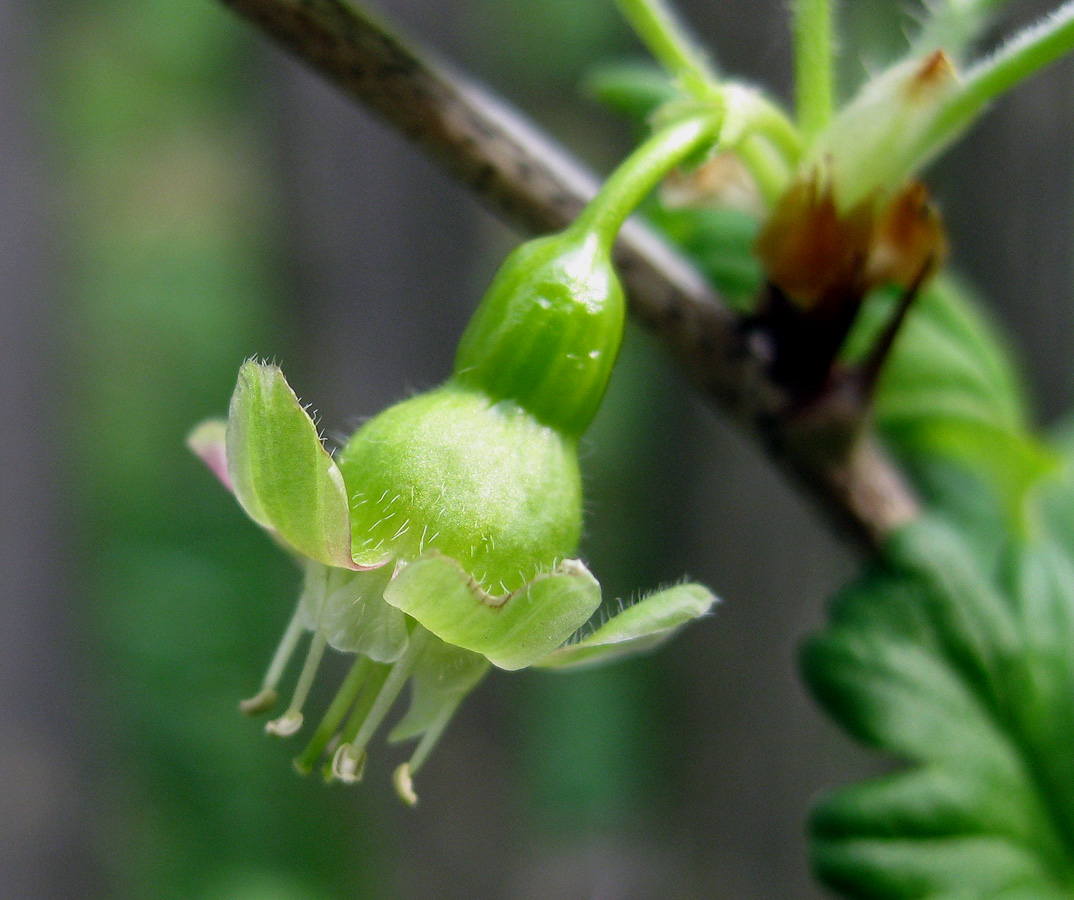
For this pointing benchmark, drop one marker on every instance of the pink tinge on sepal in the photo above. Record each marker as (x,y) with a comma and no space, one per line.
(207,442)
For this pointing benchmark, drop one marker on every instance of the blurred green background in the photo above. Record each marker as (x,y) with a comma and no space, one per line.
(176,196)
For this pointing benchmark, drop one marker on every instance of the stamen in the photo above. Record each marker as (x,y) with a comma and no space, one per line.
(260,703)
(348,693)
(354,748)
(402,779)
(432,735)
(366,701)
(291,721)
(344,766)
(347,766)
(266,698)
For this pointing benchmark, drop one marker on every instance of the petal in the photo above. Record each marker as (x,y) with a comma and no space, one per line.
(207,442)
(357,620)
(644,625)
(280,472)
(443,676)
(513,630)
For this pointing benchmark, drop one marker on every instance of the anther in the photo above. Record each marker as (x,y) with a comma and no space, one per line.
(348,764)
(291,720)
(404,786)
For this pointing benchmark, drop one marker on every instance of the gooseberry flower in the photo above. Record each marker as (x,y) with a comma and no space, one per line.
(440,540)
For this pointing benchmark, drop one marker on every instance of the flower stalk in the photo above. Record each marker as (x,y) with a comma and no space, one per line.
(658,26)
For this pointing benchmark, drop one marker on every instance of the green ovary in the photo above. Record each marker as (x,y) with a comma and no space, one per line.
(477,480)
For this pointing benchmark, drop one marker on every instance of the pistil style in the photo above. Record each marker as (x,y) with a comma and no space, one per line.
(350,754)
(333,717)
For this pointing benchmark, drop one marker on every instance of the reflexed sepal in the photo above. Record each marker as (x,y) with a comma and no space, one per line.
(514,630)
(639,627)
(281,473)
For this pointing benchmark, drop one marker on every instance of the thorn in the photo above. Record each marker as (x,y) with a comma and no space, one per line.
(868,373)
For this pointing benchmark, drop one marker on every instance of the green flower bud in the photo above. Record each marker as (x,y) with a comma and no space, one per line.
(548,331)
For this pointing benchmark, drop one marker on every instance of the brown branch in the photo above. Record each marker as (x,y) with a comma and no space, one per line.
(534,185)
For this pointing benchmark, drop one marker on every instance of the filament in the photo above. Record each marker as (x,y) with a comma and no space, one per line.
(266,698)
(291,720)
(402,779)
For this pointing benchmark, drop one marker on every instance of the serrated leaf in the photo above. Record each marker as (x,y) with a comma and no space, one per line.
(966,501)
(280,472)
(1057,503)
(640,627)
(514,630)
(969,677)
(946,343)
(951,391)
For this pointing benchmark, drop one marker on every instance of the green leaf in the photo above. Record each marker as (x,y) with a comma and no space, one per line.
(951,391)
(966,501)
(514,630)
(970,679)
(280,472)
(640,627)
(1057,502)
(636,90)
(720,243)
(960,350)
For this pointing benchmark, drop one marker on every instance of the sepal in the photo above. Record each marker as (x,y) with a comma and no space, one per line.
(513,630)
(281,473)
(640,627)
